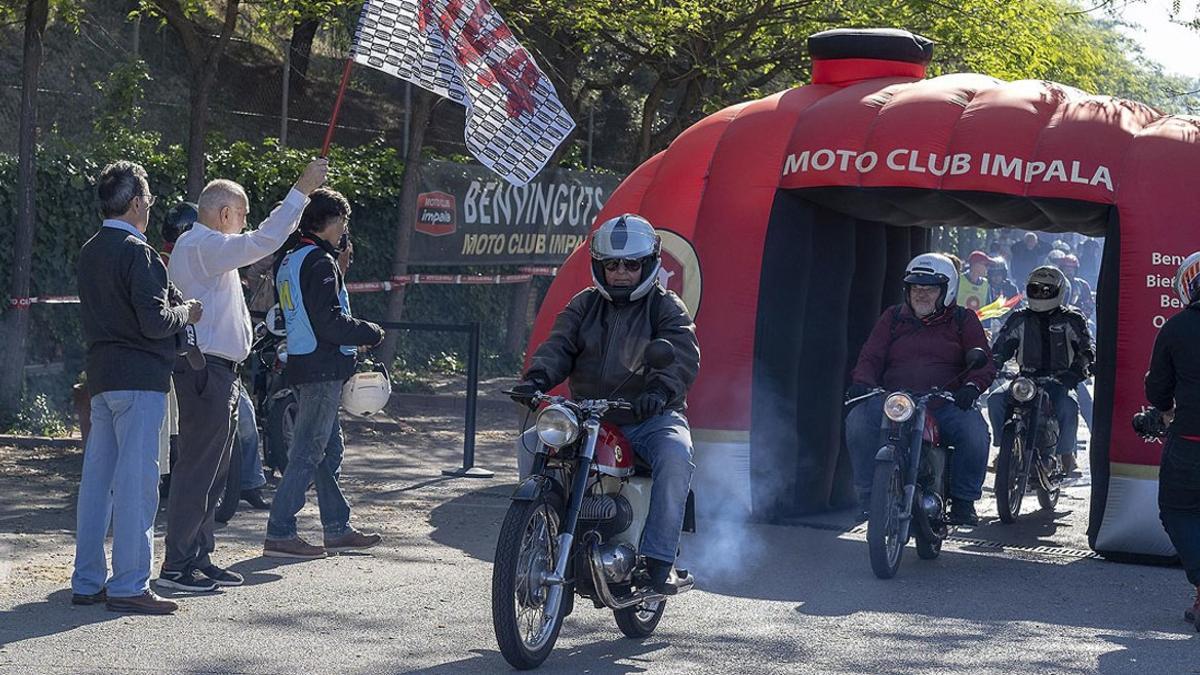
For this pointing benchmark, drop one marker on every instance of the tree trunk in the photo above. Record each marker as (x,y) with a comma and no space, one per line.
(302,38)
(12,375)
(422,111)
(197,127)
(649,111)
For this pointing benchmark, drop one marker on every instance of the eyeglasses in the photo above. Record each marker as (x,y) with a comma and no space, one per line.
(629,265)
(149,199)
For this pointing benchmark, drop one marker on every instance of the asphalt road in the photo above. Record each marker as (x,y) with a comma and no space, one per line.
(798,598)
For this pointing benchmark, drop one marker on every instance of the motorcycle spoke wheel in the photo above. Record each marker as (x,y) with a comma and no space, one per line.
(526,612)
(640,620)
(1047,499)
(883,528)
(1011,481)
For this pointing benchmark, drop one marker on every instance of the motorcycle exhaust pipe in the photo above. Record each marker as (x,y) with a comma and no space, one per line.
(601,584)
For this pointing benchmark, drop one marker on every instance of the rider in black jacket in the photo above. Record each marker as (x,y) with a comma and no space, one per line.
(1173,386)
(597,344)
(1049,338)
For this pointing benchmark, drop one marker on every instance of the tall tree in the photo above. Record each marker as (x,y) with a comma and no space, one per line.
(12,375)
(204,36)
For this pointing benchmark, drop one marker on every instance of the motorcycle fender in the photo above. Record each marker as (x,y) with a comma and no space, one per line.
(886,454)
(532,487)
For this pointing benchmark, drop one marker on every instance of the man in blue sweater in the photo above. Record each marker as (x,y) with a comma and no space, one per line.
(132,322)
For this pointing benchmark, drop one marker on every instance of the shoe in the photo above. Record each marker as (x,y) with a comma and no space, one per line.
(93,599)
(189,580)
(665,579)
(962,512)
(1069,465)
(146,603)
(254,498)
(292,548)
(222,577)
(1192,613)
(352,540)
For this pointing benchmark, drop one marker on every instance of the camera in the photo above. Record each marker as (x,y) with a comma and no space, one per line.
(1149,424)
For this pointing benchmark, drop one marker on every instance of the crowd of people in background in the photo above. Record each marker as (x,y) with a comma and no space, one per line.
(166,336)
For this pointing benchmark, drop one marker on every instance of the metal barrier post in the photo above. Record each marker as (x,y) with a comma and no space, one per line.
(468,468)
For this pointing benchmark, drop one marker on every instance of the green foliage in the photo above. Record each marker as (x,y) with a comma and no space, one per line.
(39,416)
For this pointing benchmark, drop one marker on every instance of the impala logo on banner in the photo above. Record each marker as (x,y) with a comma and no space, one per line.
(463,50)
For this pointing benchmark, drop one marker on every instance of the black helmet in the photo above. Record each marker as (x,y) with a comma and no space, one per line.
(179,219)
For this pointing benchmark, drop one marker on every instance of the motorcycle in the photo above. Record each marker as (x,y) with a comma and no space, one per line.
(1027,447)
(911,477)
(574,528)
(274,403)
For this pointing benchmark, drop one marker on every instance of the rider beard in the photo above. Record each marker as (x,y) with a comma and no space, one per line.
(922,307)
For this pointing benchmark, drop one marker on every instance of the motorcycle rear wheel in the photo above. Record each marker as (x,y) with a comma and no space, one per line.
(227,501)
(526,628)
(281,422)
(883,527)
(1047,499)
(1010,482)
(640,621)
(928,549)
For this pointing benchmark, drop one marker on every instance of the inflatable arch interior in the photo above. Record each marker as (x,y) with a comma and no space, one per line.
(787,222)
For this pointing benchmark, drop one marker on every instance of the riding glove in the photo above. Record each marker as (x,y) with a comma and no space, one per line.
(524,391)
(965,397)
(649,404)
(855,390)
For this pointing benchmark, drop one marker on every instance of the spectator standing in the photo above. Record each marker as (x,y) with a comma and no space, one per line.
(205,262)
(1027,255)
(132,319)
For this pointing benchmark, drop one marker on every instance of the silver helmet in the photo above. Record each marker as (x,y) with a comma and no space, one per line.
(626,237)
(1047,289)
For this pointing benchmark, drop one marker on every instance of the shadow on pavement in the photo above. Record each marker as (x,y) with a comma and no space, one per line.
(51,616)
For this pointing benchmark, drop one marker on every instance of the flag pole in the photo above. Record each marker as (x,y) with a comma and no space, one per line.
(337,107)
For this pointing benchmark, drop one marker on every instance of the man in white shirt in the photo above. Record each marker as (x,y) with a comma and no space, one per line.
(204,265)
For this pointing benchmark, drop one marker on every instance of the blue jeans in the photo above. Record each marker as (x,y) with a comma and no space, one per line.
(247,438)
(963,429)
(1066,409)
(119,485)
(665,443)
(315,455)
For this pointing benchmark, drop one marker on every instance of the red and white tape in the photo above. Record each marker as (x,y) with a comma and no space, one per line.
(527,273)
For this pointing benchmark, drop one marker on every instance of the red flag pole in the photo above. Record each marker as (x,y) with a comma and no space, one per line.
(337,107)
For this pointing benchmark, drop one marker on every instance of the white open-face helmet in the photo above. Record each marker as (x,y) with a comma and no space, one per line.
(1187,279)
(626,237)
(365,394)
(1047,289)
(933,269)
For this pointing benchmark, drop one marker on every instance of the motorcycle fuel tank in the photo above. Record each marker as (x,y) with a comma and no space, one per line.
(614,453)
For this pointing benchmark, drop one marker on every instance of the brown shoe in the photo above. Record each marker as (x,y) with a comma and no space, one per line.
(146,603)
(93,599)
(352,540)
(292,548)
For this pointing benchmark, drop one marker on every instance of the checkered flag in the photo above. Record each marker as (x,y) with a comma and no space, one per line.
(463,50)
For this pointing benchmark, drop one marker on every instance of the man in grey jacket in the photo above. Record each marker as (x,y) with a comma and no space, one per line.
(132,318)
(597,342)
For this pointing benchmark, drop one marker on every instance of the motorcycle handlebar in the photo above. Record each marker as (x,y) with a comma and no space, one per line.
(539,397)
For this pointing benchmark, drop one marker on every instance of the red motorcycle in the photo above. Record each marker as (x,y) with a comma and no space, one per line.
(574,528)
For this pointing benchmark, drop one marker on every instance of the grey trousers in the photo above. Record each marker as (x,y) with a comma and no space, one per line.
(207,428)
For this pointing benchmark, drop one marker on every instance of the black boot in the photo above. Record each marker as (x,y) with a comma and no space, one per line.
(662,576)
(254,497)
(962,512)
(863,512)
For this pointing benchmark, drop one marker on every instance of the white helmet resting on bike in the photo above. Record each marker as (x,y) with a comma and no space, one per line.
(932,269)
(1187,279)
(365,394)
(626,237)
(1047,289)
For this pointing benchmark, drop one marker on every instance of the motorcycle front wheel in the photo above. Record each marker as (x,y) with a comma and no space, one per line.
(526,615)
(883,527)
(640,621)
(1010,480)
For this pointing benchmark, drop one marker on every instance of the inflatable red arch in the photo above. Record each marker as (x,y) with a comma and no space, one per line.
(787,222)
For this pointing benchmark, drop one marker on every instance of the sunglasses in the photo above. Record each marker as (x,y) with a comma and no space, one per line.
(629,265)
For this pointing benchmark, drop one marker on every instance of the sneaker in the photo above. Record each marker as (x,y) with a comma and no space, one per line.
(962,512)
(222,577)
(352,540)
(189,580)
(292,548)
(1192,612)
(254,498)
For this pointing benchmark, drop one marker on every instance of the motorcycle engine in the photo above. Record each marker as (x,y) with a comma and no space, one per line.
(618,560)
(607,514)
(931,504)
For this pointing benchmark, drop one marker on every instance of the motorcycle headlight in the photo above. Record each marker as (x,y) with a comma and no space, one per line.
(557,426)
(1023,389)
(899,407)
